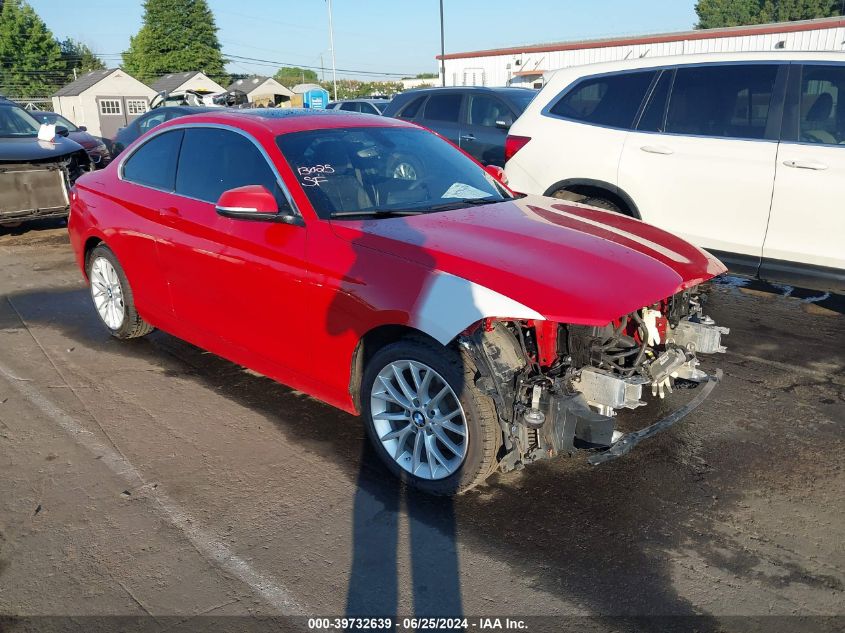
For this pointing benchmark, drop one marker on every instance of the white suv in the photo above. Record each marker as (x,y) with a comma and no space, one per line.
(743,154)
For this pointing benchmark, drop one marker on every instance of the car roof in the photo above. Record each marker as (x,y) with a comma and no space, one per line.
(284,120)
(567,74)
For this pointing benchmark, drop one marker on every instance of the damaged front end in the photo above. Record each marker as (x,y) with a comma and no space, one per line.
(37,189)
(558,387)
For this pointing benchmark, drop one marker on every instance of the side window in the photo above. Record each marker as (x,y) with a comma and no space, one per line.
(485,111)
(350,107)
(410,110)
(151,121)
(822,118)
(154,163)
(611,100)
(653,118)
(442,107)
(368,108)
(729,101)
(213,161)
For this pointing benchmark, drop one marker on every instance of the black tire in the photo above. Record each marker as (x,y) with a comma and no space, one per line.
(593,201)
(603,203)
(132,325)
(484,432)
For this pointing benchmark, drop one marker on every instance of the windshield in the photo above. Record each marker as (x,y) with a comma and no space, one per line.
(17,123)
(51,117)
(372,170)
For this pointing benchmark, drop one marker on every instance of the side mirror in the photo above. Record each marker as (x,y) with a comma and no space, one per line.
(253,202)
(61,130)
(504,124)
(498,173)
(82,128)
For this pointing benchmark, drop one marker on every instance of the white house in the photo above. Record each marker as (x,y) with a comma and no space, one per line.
(526,65)
(263,91)
(192,80)
(103,101)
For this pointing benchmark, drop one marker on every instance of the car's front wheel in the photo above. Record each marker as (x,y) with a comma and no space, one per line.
(112,295)
(426,418)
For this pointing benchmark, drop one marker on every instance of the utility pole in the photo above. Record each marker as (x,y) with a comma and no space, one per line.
(442,49)
(322,70)
(331,43)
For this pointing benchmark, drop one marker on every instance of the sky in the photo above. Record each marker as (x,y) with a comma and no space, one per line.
(371,36)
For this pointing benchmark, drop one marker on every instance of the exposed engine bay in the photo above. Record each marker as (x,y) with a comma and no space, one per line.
(558,387)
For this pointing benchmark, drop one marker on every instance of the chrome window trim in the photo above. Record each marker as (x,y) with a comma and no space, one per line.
(219,126)
(546,111)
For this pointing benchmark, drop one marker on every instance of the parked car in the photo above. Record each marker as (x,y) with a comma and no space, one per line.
(147,122)
(743,154)
(471,328)
(367,106)
(35,173)
(96,148)
(474,118)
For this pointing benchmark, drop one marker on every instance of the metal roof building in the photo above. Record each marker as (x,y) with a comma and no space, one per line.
(525,65)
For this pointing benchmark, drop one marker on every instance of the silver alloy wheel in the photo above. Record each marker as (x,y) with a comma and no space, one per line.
(419,420)
(107,293)
(405,171)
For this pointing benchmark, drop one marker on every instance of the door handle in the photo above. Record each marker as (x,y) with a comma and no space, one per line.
(805,164)
(467,137)
(658,149)
(169,211)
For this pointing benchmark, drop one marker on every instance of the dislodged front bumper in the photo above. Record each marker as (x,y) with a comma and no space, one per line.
(624,444)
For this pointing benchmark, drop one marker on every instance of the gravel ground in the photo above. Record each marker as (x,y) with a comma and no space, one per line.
(149,478)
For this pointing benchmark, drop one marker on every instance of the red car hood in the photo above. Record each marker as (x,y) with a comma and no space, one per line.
(570,263)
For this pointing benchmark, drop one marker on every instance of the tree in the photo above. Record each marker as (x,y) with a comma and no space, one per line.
(721,13)
(31,62)
(289,76)
(176,36)
(79,57)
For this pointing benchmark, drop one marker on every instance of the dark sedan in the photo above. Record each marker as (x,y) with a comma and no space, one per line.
(474,118)
(95,147)
(148,121)
(36,168)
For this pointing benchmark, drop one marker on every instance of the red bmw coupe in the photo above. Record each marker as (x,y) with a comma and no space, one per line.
(372,264)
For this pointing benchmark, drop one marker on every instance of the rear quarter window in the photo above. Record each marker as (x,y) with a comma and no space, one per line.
(410,110)
(609,100)
(154,163)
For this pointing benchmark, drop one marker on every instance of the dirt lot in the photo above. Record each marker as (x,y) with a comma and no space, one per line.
(151,478)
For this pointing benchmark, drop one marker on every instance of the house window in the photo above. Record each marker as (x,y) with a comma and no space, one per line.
(110,106)
(136,106)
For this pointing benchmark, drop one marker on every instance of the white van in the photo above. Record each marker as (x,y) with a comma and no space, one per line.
(740,153)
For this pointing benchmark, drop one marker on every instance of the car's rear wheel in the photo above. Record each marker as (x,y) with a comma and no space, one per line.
(112,295)
(427,420)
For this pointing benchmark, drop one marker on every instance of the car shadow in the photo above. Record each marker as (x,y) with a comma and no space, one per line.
(603,541)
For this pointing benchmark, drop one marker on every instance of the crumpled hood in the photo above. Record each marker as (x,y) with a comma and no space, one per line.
(570,263)
(18,150)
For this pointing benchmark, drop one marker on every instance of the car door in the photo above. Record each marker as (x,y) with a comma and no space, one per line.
(442,113)
(234,280)
(145,183)
(485,128)
(807,224)
(701,161)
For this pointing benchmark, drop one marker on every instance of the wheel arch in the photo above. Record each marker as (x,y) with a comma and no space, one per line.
(597,188)
(92,242)
(371,342)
